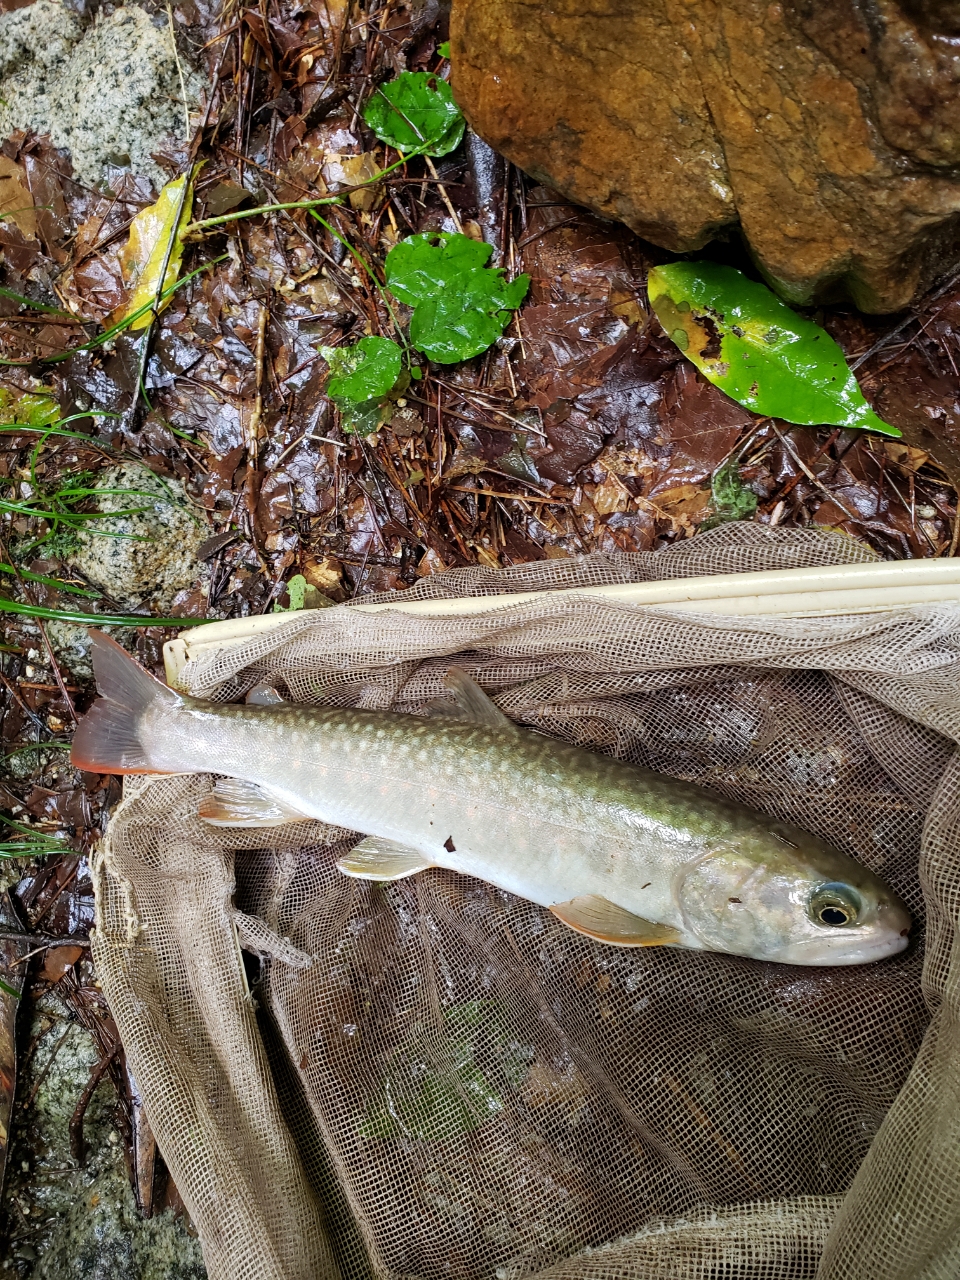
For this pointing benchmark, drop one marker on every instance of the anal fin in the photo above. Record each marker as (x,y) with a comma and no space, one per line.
(236,803)
(375,858)
(606,922)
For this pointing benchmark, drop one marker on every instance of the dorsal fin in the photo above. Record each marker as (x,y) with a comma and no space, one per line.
(599,918)
(469,703)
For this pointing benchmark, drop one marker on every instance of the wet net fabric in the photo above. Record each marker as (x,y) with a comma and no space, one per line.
(432,1078)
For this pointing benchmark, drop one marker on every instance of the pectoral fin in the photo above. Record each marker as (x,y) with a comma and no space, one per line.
(378,859)
(470,703)
(235,803)
(605,921)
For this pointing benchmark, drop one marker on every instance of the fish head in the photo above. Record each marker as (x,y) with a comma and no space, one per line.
(786,896)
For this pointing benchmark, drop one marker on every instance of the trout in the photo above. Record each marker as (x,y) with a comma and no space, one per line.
(621,854)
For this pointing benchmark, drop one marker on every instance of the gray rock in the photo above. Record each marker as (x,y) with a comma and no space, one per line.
(152,554)
(79,1223)
(72,646)
(110,93)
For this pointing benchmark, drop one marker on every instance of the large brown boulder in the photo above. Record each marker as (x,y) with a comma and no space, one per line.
(828,129)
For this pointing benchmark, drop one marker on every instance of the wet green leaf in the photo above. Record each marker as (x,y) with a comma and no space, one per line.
(756,349)
(460,304)
(30,409)
(302,596)
(364,371)
(416,112)
(361,377)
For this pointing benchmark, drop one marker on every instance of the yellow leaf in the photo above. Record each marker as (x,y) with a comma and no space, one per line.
(611,496)
(352,170)
(16,202)
(909,458)
(143,256)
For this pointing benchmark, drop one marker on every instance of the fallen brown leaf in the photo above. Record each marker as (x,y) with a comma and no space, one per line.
(16,202)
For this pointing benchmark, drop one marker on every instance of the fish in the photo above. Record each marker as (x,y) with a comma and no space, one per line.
(623,855)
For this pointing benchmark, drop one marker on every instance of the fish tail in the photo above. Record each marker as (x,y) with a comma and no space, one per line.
(108,737)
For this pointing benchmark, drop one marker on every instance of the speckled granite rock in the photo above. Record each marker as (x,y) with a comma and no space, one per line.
(74,1223)
(828,129)
(108,91)
(155,555)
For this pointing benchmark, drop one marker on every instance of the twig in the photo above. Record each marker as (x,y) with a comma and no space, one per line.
(915,315)
(253,427)
(183,84)
(65,689)
(40,940)
(443,194)
(811,477)
(516,497)
(795,479)
(38,1083)
(77,1144)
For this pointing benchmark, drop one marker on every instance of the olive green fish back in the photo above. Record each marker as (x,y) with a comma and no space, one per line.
(434,1079)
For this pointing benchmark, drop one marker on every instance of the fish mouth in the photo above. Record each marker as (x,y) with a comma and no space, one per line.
(844,950)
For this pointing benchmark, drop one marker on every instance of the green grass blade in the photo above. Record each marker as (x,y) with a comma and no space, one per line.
(37,306)
(49,582)
(118,328)
(95,619)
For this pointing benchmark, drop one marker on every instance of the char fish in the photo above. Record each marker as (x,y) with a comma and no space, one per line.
(619,853)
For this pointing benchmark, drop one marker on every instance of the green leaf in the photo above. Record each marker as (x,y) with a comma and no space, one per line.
(30,409)
(756,349)
(364,371)
(444,49)
(416,112)
(461,306)
(361,377)
(303,595)
(421,266)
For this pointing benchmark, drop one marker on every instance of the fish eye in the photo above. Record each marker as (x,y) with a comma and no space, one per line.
(834,905)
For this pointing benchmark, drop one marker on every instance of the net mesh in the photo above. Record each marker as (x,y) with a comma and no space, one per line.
(432,1078)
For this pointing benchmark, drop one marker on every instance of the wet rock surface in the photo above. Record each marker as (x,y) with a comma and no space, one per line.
(109,91)
(829,133)
(63,1220)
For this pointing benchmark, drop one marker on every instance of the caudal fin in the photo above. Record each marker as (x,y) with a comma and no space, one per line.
(108,737)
